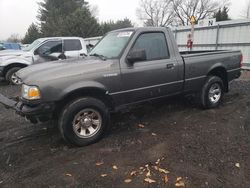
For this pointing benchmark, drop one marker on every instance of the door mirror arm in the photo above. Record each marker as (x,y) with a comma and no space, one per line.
(36,52)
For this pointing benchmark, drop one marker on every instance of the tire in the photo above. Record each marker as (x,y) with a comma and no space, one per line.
(76,121)
(212,92)
(9,75)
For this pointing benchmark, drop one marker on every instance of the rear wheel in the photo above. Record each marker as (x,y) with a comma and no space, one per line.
(212,92)
(11,76)
(84,121)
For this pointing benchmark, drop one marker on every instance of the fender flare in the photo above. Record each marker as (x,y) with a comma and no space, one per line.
(215,66)
(12,65)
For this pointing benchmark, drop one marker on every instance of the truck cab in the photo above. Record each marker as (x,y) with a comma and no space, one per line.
(40,51)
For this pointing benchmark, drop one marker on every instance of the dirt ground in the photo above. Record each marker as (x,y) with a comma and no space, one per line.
(206,148)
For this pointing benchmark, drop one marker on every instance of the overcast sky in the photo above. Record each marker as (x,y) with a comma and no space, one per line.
(17,15)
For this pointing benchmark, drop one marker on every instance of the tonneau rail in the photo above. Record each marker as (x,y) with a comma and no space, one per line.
(202,53)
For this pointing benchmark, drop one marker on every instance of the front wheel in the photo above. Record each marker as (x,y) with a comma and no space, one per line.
(212,92)
(84,121)
(11,76)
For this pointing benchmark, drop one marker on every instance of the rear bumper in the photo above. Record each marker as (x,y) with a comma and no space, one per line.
(234,74)
(35,113)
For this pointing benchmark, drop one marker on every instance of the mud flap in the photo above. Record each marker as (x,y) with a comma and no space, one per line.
(8,103)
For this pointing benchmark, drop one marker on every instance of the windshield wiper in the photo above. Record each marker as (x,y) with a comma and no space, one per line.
(102,57)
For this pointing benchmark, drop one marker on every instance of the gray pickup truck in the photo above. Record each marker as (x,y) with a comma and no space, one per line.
(127,66)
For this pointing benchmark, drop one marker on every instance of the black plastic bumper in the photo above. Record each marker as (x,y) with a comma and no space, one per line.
(35,113)
(8,103)
(235,74)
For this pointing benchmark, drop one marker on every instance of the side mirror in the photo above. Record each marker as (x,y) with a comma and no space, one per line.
(36,52)
(42,51)
(89,47)
(137,55)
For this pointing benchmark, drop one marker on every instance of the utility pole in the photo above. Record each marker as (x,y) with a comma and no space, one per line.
(248,10)
(191,36)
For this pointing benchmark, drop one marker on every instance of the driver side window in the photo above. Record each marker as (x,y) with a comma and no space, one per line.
(50,47)
(154,44)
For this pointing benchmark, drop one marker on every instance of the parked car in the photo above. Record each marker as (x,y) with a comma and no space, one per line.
(12,46)
(9,46)
(2,46)
(126,67)
(40,51)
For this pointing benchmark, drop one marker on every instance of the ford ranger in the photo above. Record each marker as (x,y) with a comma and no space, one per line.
(40,51)
(126,67)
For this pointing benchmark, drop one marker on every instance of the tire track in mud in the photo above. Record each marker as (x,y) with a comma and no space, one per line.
(22,134)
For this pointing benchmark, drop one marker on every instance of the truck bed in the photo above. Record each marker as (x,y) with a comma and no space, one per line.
(198,64)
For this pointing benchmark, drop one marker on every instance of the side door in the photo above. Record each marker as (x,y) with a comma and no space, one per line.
(47,51)
(72,48)
(154,77)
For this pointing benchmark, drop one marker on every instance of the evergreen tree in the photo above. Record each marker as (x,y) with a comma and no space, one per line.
(218,15)
(123,23)
(222,15)
(81,23)
(119,24)
(32,34)
(67,17)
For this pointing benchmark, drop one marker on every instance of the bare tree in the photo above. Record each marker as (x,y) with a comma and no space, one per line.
(201,9)
(94,10)
(14,38)
(156,12)
(246,11)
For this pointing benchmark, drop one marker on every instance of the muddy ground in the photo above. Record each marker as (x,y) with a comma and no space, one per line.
(206,148)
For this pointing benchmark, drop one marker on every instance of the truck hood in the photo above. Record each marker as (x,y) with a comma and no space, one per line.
(14,56)
(11,53)
(49,71)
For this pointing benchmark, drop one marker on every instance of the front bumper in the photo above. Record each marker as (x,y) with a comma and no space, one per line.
(35,113)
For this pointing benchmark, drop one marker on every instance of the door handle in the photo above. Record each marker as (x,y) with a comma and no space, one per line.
(170,66)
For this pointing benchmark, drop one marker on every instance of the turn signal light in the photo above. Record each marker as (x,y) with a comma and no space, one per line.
(33,93)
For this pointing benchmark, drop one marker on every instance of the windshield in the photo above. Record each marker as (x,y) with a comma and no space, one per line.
(112,44)
(33,45)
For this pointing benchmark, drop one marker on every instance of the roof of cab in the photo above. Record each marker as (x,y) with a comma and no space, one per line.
(59,38)
(142,29)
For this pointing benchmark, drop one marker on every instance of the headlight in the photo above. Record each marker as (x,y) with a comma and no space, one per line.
(30,92)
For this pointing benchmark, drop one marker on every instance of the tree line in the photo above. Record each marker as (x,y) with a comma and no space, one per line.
(178,12)
(77,18)
(69,18)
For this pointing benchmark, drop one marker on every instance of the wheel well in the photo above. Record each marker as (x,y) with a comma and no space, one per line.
(222,73)
(12,66)
(86,92)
